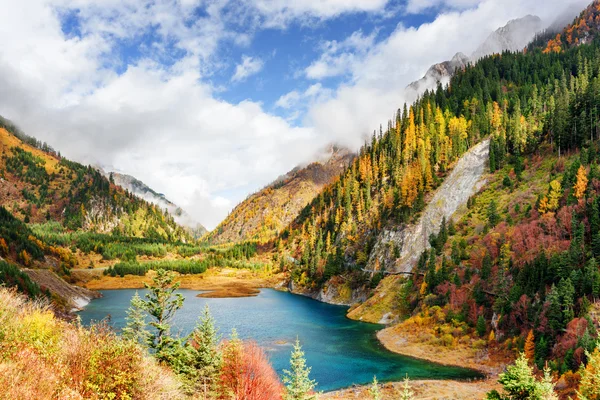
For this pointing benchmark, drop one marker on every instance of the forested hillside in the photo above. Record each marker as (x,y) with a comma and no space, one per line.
(37,185)
(520,268)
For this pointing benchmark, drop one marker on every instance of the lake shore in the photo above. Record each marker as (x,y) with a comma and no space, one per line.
(423,389)
(216,282)
(398,340)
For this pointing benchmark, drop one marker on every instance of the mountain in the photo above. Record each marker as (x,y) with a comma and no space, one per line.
(39,185)
(265,214)
(514,36)
(143,191)
(439,73)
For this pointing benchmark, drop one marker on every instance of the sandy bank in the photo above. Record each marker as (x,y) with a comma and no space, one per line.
(218,283)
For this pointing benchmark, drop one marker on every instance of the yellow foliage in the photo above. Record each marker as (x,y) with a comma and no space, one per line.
(581,184)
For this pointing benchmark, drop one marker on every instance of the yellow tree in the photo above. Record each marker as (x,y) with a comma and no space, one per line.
(581,184)
(555,195)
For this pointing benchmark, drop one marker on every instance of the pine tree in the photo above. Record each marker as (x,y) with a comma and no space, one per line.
(406,394)
(205,354)
(161,303)
(374,390)
(481,328)
(299,386)
(135,330)
(520,384)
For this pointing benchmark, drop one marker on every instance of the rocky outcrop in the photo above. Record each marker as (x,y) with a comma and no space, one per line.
(73,297)
(440,73)
(410,241)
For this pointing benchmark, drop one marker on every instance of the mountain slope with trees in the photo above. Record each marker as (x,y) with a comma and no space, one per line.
(263,215)
(37,184)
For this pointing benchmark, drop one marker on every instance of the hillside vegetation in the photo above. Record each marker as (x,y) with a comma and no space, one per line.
(39,186)
(268,212)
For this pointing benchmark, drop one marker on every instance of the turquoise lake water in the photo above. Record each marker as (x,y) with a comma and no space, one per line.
(340,351)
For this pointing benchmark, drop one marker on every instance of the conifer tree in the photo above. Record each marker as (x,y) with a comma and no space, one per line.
(581,183)
(204,349)
(374,390)
(481,328)
(529,348)
(407,393)
(135,330)
(299,386)
(161,303)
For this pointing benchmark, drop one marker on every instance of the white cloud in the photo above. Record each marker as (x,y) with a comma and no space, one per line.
(248,67)
(160,124)
(278,13)
(294,99)
(416,6)
(337,57)
(288,100)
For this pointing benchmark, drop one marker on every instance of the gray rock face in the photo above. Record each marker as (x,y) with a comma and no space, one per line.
(410,241)
(514,36)
(440,73)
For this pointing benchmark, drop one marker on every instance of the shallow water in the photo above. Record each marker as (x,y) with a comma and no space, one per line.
(340,351)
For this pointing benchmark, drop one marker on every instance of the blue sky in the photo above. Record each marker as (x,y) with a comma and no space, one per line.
(207,101)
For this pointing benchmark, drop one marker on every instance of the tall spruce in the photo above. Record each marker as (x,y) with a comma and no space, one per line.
(299,386)
(136,328)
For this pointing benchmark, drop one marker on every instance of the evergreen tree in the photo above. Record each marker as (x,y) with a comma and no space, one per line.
(299,386)
(204,349)
(374,390)
(492,213)
(406,394)
(481,328)
(161,303)
(519,383)
(135,329)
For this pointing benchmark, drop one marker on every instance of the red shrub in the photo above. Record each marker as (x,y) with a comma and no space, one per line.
(247,374)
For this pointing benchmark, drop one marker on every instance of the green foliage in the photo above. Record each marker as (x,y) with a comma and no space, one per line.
(519,383)
(136,328)
(407,393)
(17,235)
(481,328)
(12,276)
(299,386)
(374,390)
(161,304)
(205,355)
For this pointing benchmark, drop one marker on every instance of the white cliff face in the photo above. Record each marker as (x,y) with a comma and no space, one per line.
(514,36)
(410,241)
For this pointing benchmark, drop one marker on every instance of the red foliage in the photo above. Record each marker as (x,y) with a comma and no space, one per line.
(518,317)
(569,339)
(247,374)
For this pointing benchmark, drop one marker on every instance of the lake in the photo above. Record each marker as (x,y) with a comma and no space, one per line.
(340,351)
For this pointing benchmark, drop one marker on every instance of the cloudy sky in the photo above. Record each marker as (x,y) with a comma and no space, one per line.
(210,100)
